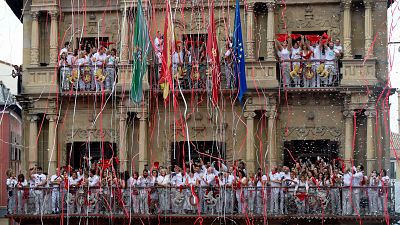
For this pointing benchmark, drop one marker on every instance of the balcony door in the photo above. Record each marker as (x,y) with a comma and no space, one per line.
(309,150)
(78,155)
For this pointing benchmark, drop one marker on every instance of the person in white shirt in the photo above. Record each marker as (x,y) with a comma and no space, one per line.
(261,182)
(383,185)
(283,51)
(373,192)
(22,194)
(11,184)
(145,184)
(110,69)
(55,181)
(228,65)
(177,62)
(275,179)
(338,49)
(133,185)
(158,46)
(330,64)
(285,179)
(302,189)
(40,181)
(241,192)
(347,177)
(227,197)
(316,48)
(177,183)
(356,186)
(191,200)
(99,59)
(163,183)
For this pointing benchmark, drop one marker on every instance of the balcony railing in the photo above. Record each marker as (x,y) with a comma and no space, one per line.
(87,78)
(309,73)
(207,201)
(193,77)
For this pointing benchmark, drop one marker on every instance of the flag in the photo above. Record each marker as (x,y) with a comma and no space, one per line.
(213,55)
(166,76)
(141,47)
(238,49)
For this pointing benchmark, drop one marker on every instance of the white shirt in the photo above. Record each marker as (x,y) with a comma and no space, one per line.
(132,182)
(94,181)
(177,180)
(263,178)
(284,54)
(144,182)
(163,180)
(73,182)
(53,178)
(317,52)
(329,54)
(296,53)
(177,58)
(357,178)
(157,44)
(39,179)
(346,179)
(11,182)
(100,58)
(337,48)
(111,60)
(274,177)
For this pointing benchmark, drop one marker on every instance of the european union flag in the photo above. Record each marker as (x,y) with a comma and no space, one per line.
(238,49)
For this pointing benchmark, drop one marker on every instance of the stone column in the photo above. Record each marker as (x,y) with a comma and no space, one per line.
(53,38)
(250,151)
(348,137)
(52,144)
(143,158)
(371,158)
(273,159)
(270,30)
(250,42)
(35,39)
(33,133)
(122,150)
(124,37)
(347,29)
(368,26)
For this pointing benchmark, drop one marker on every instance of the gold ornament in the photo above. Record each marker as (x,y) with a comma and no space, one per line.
(295,72)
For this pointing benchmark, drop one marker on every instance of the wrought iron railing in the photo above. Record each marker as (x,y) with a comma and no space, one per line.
(193,77)
(327,201)
(87,78)
(309,73)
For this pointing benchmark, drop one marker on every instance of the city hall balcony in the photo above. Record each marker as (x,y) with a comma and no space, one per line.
(311,203)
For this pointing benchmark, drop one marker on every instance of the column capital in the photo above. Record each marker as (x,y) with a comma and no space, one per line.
(34,15)
(142,116)
(346,4)
(271,6)
(122,116)
(33,118)
(250,7)
(51,118)
(53,14)
(370,113)
(271,114)
(348,113)
(249,114)
(368,4)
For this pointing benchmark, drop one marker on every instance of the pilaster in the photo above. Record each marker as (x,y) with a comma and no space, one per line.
(143,156)
(35,39)
(347,29)
(250,151)
(250,43)
(270,30)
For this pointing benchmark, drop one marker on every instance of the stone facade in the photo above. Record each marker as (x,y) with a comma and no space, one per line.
(260,132)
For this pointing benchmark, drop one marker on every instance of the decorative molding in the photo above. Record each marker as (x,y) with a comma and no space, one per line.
(94,134)
(301,133)
(249,115)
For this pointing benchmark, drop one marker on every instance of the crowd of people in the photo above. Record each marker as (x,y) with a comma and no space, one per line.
(208,188)
(306,63)
(87,68)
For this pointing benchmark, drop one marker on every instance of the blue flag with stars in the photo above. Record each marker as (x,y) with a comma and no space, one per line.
(238,49)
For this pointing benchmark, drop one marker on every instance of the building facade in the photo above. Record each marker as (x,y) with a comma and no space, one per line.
(345,120)
(11,138)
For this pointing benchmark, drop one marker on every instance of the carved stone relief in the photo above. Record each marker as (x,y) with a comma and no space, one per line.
(94,134)
(311,133)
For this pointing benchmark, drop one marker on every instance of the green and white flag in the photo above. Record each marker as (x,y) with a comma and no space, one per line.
(141,47)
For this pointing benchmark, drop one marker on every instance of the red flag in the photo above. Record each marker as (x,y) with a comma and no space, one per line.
(281,37)
(295,36)
(213,55)
(313,38)
(166,76)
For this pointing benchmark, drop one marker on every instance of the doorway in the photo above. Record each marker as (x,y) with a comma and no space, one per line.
(309,150)
(78,157)
(208,151)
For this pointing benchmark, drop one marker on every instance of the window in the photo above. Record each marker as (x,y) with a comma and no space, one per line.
(392,169)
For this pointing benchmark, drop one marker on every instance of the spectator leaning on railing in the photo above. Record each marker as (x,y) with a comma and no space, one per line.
(212,188)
